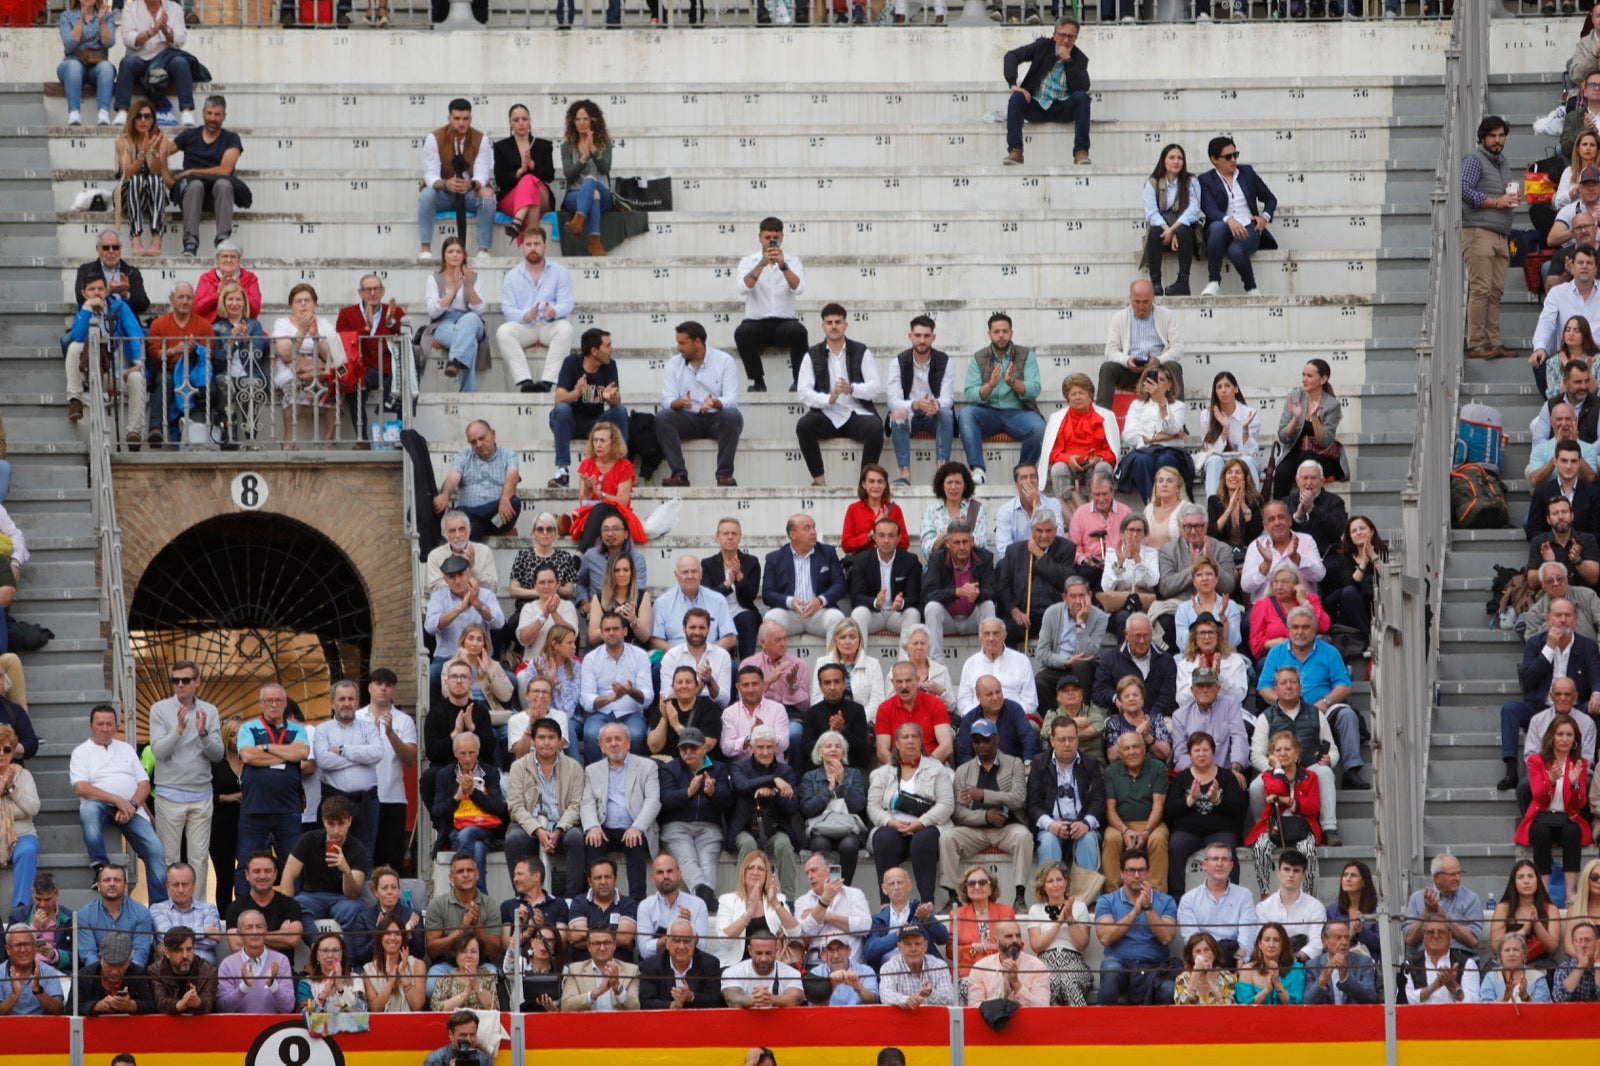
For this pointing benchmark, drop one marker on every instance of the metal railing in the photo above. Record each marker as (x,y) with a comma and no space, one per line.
(252,394)
(113,597)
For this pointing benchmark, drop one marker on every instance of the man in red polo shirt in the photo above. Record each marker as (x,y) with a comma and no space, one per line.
(174,346)
(911,704)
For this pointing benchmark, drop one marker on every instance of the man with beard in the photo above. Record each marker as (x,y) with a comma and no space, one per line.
(182,982)
(1010,973)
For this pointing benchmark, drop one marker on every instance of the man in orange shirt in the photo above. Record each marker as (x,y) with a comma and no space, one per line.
(177,365)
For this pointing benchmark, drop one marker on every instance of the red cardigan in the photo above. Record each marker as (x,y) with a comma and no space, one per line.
(1575,798)
(858,520)
(1266,624)
(1307,802)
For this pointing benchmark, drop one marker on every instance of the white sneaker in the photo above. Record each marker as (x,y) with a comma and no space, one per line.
(74,119)
(978,476)
(1389,16)
(102,117)
(1202,17)
(188,118)
(120,119)
(424,256)
(482,256)
(1252,292)
(1213,289)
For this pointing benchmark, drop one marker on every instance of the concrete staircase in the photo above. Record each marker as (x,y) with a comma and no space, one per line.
(49,497)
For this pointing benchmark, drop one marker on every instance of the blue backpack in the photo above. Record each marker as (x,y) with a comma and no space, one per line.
(1480,436)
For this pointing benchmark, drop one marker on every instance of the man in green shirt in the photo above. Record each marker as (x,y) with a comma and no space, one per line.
(1002,393)
(1136,793)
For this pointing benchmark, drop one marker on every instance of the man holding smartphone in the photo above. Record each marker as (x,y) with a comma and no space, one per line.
(831,908)
(769,281)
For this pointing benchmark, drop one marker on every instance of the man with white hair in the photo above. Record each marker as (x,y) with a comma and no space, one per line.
(29,986)
(993,659)
(1553,585)
(1315,510)
(621,802)
(802,583)
(1446,900)
(457,530)
(958,588)
(667,628)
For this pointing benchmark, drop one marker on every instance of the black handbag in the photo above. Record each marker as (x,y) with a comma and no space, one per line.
(644,194)
(910,803)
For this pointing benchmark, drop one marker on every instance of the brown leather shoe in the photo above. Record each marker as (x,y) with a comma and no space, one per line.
(1081,157)
(575,227)
(676,481)
(596,248)
(74,410)
(1507,353)
(1013,158)
(1483,353)
(726,481)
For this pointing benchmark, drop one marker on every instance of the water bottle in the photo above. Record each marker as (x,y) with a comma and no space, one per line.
(1490,904)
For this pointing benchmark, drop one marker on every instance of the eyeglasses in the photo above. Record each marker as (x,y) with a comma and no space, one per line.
(1066,36)
(1193,525)
(6,750)
(1229,155)
(1136,869)
(145,117)
(372,288)
(183,680)
(979,882)
(1595,877)
(544,529)
(110,247)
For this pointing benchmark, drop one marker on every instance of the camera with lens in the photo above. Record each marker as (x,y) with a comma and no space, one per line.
(466,1054)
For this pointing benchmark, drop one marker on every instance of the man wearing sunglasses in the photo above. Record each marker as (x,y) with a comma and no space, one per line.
(1238,207)
(123,280)
(186,738)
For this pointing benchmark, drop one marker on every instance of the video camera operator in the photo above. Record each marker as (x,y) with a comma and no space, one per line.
(462,1050)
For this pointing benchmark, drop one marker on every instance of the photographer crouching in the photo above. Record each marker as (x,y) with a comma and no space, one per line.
(462,1050)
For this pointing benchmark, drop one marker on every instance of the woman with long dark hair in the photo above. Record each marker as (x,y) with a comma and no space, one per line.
(1233,513)
(1525,910)
(1356,902)
(523,173)
(1558,777)
(586,163)
(1273,975)
(1308,428)
(1171,210)
(1233,429)
(1351,582)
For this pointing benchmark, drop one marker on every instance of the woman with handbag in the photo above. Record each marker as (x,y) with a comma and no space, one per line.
(308,351)
(1128,582)
(586,164)
(456,312)
(833,798)
(523,173)
(1558,778)
(143,179)
(1152,434)
(953,501)
(1171,211)
(1233,431)
(1308,427)
(1526,912)
(88,30)
(908,800)
(1291,816)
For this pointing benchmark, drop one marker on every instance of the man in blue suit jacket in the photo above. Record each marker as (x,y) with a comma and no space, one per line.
(1557,652)
(883,940)
(1238,207)
(802,584)
(1339,975)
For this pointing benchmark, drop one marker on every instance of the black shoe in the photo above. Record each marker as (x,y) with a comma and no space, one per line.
(1178,288)
(794,386)
(1353,782)
(757,386)
(1332,839)
(709,894)
(542,386)
(1155,287)
(527,386)
(1020,904)
(191,247)
(391,404)
(1507,783)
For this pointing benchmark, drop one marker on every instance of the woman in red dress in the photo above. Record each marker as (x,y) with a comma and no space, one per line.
(605,485)
(872,503)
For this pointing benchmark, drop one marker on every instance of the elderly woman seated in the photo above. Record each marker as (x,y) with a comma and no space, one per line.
(1269,617)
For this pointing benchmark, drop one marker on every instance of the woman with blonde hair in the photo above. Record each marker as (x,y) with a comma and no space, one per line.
(1058,932)
(863,676)
(605,487)
(19,805)
(620,592)
(491,683)
(755,903)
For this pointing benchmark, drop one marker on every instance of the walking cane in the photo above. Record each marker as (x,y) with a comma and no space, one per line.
(1027,608)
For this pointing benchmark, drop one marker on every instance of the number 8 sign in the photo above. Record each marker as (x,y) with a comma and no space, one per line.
(290,1043)
(250,494)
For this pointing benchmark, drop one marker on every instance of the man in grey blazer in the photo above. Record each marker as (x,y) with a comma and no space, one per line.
(538,826)
(621,801)
(1176,559)
(991,791)
(1342,972)
(1070,636)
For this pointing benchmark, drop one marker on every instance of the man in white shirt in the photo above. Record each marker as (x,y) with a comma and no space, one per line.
(111,785)
(761,982)
(457,160)
(1013,523)
(180,907)
(347,752)
(398,730)
(922,398)
(711,664)
(456,528)
(670,902)
(993,659)
(673,605)
(769,280)
(1301,914)
(832,908)
(838,382)
(1218,906)
(536,300)
(1142,335)
(185,738)
(1439,974)
(699,401)
(1279,544)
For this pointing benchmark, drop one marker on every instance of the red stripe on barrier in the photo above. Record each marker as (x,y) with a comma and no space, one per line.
(37,1036)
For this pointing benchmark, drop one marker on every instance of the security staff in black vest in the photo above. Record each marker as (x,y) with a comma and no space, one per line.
(839,383)
(924,401)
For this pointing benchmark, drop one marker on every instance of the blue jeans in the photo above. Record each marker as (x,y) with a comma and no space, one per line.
(1142,467)
(582,199)
(475,840)
(92,818)
(978,422)
(275,832)
(431,201)
(70,71)
(598,720)
(1085,850)
(130,72)
(1144,982)
(485,518)
(24,861)
(941,425)
(565,423)
(1220,242)
(460,332)
(1074,109)
(315,906)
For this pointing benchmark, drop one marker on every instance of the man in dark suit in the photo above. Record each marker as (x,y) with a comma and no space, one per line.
(1315,510)
(900,908)
(1338,974)
(1567,485)
(958,588)
(122,279)
(764,808)
(1055,89)
(1160,676)
(1066,801)
(680,975)
(1070,637)
(803,582)
(1557,652)
(1238,207)
(1032,576)
(897,604)
(737,575)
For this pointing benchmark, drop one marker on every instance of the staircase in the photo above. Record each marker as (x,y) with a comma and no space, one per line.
(50,497)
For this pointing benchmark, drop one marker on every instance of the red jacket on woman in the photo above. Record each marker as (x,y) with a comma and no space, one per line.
(1307,801)
(1575,798)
